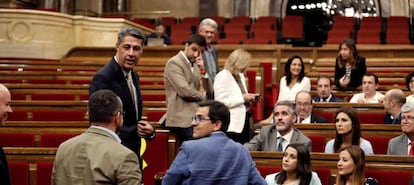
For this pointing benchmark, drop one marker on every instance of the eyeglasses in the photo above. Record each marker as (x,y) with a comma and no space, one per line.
(198,119)
(408,118)
(300,104)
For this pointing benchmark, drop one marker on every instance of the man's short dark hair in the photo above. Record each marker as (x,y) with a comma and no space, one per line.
(198,39)
(103,105)
(325,77)
(374,75)
(129,31)
(217,112)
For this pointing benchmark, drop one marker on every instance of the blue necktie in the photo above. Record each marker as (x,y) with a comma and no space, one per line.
(280,145)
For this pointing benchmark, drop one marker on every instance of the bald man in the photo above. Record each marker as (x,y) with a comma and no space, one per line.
(5,110)
(393,100)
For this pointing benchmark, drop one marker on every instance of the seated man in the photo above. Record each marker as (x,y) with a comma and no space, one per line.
(404,144)
(393,100)
(324,88)
(277,136)
(304,109)
(369,90)
(212,158)
(160,33)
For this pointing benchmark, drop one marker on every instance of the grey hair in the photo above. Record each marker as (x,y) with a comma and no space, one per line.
(208,22)
(408,106)
(129,31)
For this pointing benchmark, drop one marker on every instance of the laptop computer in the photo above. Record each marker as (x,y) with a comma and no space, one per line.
(155,42)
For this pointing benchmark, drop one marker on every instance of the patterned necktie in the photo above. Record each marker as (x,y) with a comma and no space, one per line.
(301,119)
(280,145)
(412,149)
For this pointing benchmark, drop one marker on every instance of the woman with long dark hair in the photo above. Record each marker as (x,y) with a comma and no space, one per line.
(294,79)
(348,132)
(296,168)
(349,66)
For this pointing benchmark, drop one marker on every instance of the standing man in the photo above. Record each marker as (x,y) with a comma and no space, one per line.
(324,88)
(404,144)
(5,110)
(369,90)
(212,158)
(118,76)
(208,29)
(186,84)
(304,109)
(393,100)
(277,136)
(96,156)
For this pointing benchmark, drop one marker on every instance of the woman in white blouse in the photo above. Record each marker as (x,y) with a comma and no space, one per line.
(294,79)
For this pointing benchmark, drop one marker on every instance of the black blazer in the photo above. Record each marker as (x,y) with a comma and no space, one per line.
(4,169)
(356,74)
(111,77)
(318,119)
(333,99)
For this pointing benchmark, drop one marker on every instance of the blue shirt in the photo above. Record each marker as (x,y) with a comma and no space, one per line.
(215,159)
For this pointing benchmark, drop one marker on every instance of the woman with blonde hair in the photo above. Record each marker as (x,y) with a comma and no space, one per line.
(230,89)
(351,166)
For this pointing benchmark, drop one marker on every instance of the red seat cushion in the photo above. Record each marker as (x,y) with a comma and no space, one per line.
(54,139)
(19,173)
(44,173)
(17,139)
(156,156)
(390,177)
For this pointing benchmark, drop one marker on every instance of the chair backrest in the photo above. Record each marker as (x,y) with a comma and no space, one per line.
(58,115)
(17,139)
(54,139)
(318,143)
(156,156)
(324,175)
(266,170)
(44,172)
(379,144)
(19,173)
(389,177)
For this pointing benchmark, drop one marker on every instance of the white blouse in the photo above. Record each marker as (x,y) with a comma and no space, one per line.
(287,93)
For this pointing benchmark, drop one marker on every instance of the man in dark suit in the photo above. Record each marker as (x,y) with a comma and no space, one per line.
(393,100)
(5,110)
(304,108)
(404,144)
(277,136)
(118,75)
(324,88)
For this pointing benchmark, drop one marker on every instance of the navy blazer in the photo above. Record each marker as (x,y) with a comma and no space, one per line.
(4,169)
(318,119)
(112,77)
(333,99)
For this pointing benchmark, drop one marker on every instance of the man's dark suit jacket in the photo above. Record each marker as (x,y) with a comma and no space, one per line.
(318,119)
(4,169)
(333,99)
(112,77)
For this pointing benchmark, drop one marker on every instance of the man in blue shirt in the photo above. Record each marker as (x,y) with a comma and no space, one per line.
(212,158)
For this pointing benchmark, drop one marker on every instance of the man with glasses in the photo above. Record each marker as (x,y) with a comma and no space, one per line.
(277,136)
(304,109)
(404,144)
(212,158)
